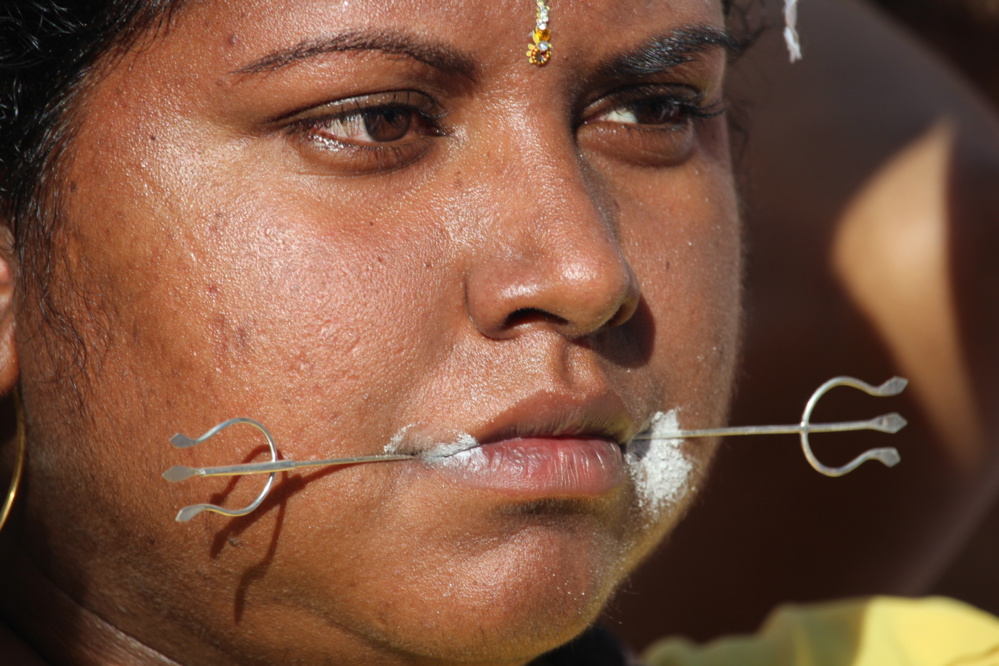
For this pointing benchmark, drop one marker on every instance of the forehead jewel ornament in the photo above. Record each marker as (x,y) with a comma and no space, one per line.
(888,423)
(540,49)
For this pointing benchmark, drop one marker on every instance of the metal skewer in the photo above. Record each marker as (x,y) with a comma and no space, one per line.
(888,423)
(181,472)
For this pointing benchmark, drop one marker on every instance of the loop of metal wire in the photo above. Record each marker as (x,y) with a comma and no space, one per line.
(272,467)
(180,472)
(891,423)
(888,423)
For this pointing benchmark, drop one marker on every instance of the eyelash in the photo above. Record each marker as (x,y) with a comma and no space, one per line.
(663,142)
(421,114)
(660,143)
(690,105)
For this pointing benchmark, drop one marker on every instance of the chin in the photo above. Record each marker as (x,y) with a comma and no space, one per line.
(525,595)
(514,626)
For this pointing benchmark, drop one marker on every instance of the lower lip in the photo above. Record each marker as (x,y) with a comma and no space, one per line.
(539,468)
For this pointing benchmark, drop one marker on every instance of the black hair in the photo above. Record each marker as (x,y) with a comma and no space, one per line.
(48,49)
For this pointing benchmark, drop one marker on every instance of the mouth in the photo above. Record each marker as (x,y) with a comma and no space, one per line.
(548,446)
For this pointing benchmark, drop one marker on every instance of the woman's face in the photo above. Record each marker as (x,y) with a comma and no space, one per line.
(362,223)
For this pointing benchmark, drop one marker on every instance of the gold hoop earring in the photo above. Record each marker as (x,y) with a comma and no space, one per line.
(15,480)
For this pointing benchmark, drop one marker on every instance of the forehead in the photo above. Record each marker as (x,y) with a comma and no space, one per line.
(231,33)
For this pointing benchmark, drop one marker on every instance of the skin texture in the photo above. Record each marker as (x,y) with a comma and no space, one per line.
(871,202)
(535,269)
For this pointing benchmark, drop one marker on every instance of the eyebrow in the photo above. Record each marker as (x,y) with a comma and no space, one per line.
(436,55)
(669,50)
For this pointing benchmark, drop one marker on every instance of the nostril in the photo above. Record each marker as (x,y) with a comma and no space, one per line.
(627,309)
(525,316)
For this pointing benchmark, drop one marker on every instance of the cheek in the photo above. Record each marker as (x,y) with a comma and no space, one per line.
(261,309)
(683,239)
(281,306)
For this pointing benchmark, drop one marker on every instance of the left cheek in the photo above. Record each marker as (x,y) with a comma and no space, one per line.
(684,245)
(340,312)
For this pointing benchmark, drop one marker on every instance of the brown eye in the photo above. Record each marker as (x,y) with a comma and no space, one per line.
(379,120)
(373,133)
(380,125)
(652,126)
(385,125)
(656,112)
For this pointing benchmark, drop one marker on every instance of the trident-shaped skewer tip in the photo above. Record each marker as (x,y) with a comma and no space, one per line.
(183,441)
(179,473)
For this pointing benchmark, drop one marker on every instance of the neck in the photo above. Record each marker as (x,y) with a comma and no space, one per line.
(46,623)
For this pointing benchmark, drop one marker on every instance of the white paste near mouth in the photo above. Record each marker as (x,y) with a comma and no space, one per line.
(463,450)
(393,444)
(658,467)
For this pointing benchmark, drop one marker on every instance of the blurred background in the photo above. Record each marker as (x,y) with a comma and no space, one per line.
(870,178)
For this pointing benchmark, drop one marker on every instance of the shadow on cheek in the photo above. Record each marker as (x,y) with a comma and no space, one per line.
(228,536)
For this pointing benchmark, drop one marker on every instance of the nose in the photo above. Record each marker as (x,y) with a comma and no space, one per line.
(549,258)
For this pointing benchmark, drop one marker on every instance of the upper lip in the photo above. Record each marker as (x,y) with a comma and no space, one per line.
(551,414)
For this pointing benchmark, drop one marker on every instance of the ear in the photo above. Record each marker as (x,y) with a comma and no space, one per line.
(9,367)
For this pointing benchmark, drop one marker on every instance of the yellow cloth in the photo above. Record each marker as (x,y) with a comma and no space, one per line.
(880,631)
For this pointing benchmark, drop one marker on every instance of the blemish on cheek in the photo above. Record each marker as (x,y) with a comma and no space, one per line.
(242,338)
(659,468)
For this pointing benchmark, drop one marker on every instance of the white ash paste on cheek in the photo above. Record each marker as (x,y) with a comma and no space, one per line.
(658,467)
(393,444)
